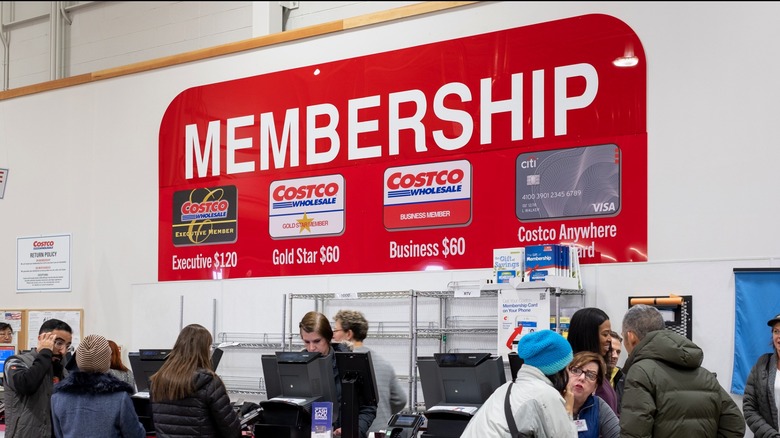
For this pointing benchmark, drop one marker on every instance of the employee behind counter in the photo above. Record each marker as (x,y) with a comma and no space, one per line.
(317,334)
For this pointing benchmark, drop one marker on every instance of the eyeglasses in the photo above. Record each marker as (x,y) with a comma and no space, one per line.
(6,334)
(589,375)
(59,343)
(338,330)
(776,332)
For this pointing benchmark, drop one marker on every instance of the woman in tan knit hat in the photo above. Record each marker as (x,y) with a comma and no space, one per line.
(90,402)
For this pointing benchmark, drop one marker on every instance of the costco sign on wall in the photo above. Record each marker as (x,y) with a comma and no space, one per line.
(427,157)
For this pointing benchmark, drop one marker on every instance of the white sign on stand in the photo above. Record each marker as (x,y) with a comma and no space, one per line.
(520,312)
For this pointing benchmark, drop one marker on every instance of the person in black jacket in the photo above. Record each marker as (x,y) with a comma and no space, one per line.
(188,398)
(758,404)
(30,378)
(316,334)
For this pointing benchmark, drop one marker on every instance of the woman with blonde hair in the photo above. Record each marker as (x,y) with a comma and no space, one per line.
(188,398)
(592,415)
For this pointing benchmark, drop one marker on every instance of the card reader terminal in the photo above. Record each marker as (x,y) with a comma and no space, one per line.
(404,425)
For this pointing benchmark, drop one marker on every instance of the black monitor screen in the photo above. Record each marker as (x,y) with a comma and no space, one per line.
(216,357)
(296,379)
(299,375)
(359,368)
(460,378)
(144,364)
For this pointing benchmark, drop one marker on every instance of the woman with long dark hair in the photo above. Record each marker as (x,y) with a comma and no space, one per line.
(188,398)
(589,330)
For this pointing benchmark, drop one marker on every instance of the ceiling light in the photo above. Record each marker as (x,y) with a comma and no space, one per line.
(626,61)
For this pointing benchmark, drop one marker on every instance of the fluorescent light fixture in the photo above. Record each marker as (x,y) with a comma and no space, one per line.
(626,61)
(434,268)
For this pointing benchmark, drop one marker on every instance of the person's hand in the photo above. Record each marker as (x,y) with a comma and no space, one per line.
(46,340)
(337,432)
(568,396)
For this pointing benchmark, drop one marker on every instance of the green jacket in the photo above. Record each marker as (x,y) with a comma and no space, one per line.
(668,394)
(28,386)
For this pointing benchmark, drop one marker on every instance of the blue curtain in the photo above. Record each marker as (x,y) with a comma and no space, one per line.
(757,301)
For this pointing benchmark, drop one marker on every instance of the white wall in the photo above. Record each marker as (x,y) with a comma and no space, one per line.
(105,35)
(83,160)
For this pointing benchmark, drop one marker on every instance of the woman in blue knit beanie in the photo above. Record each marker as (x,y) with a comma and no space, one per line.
(537,406)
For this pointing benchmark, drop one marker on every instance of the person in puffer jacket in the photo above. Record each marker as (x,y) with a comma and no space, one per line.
(188,398)
(92,403)
(667,393)
(760,402)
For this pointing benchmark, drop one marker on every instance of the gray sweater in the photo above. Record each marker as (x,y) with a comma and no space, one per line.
(391,397)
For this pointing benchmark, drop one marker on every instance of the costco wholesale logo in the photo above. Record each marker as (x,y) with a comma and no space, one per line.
(205,216)
(306,207)
(428,195)
(45,244)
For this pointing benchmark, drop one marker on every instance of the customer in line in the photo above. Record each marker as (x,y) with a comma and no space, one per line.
(92,403)
(29,382)
(589,330)
(118,368)
(188,398)
(667,392)
(762,396)
(352,327)
(592,416)
(537,407)
(613,370)
(317,334)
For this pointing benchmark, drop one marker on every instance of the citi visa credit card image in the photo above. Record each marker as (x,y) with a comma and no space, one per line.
(568,183)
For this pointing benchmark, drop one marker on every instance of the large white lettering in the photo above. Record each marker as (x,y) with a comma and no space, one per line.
(449,110)
(288,142)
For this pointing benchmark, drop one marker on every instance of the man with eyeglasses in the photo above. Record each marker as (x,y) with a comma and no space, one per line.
(29,381)
(667,393)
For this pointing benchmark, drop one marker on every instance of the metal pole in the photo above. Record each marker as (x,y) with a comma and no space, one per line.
(289,319)
(214,316)
(284,314)
(558,310)
(54,15)
(181,312)
(413,352)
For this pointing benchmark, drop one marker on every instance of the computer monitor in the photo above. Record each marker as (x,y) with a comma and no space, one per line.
(293,381)
(460,378)
(515,363)
(216,357)
(6,351)
(144,364)
(301,374)
(430,382)
(358,367)
(358,388)
(273,387)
